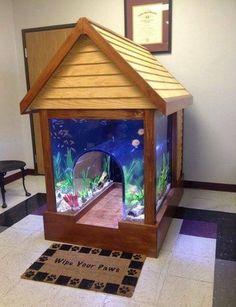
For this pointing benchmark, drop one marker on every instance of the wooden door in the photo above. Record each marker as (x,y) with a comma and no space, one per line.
(40,45)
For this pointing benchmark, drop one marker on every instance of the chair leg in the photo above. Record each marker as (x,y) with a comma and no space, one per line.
(3,191)
(23,181)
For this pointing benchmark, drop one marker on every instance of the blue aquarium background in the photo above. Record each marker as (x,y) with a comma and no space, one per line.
(88,155)
(163,161)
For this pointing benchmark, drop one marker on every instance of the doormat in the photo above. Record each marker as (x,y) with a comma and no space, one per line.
(103,270)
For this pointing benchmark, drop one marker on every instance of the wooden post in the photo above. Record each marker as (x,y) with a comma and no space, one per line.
(48,162)
(149,167)
(174,149)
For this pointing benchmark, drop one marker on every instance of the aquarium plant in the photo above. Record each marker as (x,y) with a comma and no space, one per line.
(134,191)
(90,186)
(162,180)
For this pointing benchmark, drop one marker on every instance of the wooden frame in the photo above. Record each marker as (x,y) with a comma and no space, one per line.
(149,23)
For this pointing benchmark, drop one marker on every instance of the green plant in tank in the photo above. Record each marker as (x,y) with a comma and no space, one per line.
(94,183)
(58,175)
(133,179)
(83,195)
(134,197)
(69,165)
(63,180)
(107,165)
(130,172)
(86,181)
(163,177)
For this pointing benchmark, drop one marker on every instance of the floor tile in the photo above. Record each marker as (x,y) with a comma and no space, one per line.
(7,283)
(35,242)
(2,228)
(67,296)
(192,267)
(114,301)
(30,293)
(226,248)
(147,287)
(29,223)
(179,292)
(5,250)
(226,271)
(157,264)
(13,237)
(15,263)
(199,229)
(209,200)
(190,245)
(12,215)
(224,297)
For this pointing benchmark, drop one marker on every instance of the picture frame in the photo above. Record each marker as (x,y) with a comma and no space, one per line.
(148,22)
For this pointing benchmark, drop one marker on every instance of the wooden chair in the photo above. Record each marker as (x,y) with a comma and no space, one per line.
(7,166)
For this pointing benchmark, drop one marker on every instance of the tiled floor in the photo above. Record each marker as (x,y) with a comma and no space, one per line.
(197,258)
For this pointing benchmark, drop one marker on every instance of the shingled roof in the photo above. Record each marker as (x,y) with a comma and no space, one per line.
(95,64)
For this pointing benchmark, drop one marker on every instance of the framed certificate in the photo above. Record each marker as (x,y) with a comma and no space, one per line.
(148,22)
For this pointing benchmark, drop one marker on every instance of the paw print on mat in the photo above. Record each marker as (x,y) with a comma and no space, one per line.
(29,274)
(51,277)
(116,254)
(137,257)
(99,285)
(123,289)
(132,272)
(56,246)
(95,251)
(43,258)
(74,281)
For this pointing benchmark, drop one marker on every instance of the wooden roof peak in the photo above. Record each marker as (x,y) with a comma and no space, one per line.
(133,60)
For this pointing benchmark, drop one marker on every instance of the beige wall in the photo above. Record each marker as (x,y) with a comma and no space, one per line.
(202,58)
(11,134)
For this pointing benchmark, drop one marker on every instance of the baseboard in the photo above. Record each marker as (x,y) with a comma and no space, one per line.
(17,175)
(210,186)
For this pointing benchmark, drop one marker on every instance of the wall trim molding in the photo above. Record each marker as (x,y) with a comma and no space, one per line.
(210,186)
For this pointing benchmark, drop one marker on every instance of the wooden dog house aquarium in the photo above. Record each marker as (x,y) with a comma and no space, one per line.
(112,126)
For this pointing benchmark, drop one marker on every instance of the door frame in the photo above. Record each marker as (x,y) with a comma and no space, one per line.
(23,34)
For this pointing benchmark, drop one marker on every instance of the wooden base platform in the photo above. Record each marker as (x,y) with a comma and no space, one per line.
(129,236)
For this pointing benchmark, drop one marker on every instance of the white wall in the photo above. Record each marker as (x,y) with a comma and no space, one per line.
(10,119)
(202,58)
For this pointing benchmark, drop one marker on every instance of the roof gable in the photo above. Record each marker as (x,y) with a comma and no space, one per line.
(86,78)
(127,63)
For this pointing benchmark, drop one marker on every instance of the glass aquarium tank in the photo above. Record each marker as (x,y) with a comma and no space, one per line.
(163,174)
(90,156)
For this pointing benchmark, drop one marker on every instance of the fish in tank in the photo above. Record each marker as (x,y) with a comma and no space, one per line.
(91,155)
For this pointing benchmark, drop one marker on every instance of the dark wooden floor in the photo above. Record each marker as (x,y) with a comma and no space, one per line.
(107,212)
